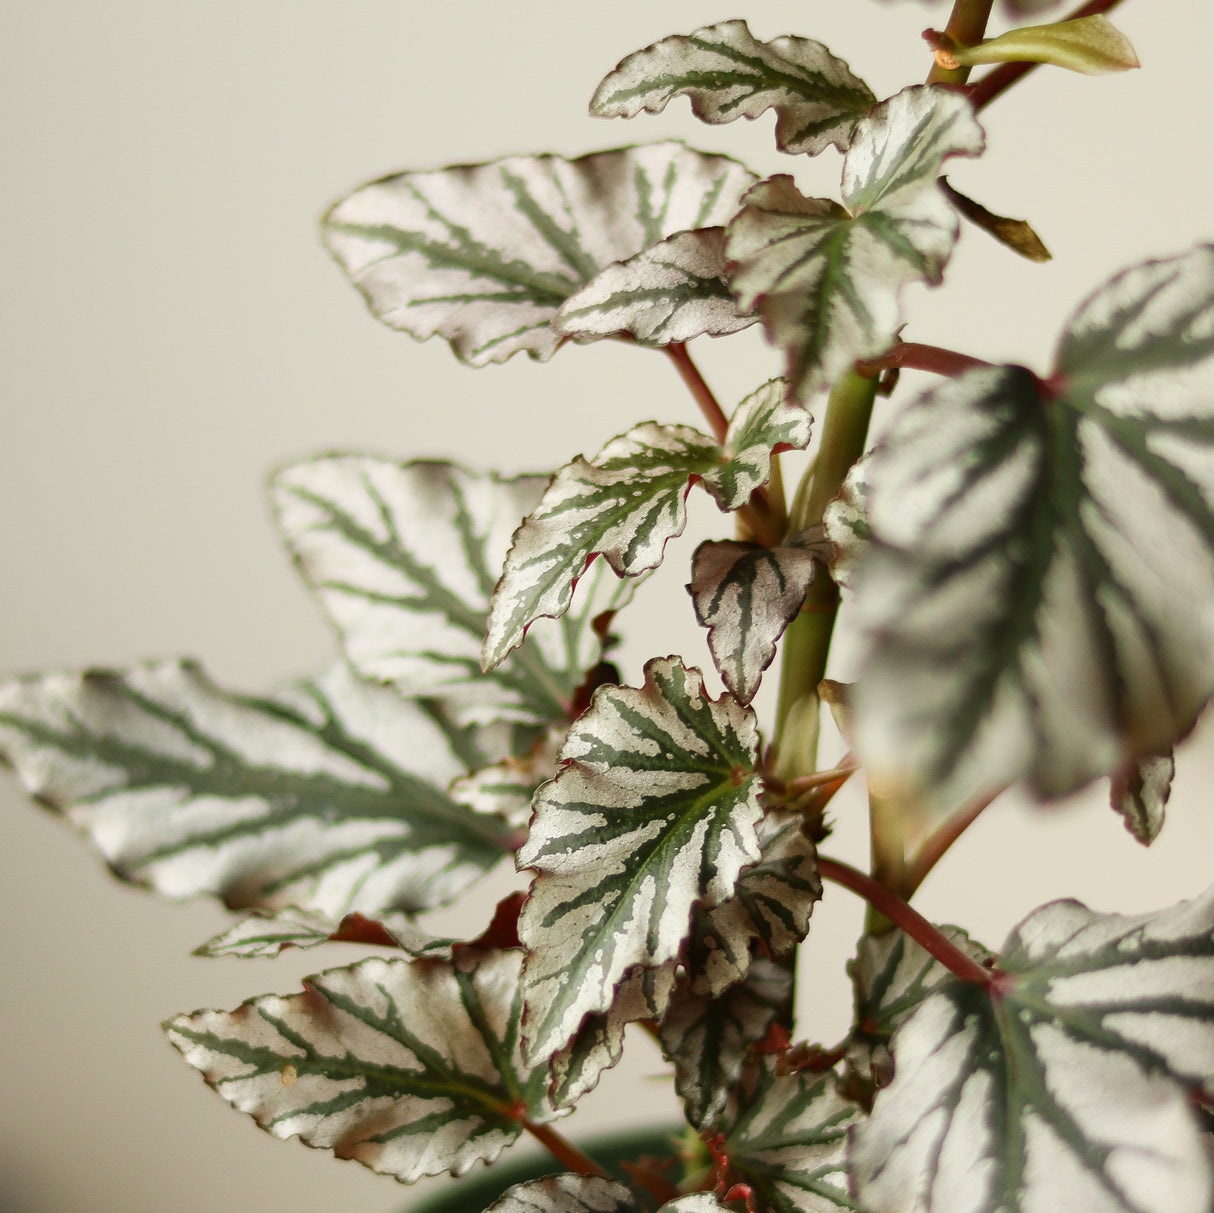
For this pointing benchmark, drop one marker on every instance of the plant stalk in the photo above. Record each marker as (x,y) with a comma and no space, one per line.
(887,835)
(703,394)
(906,919)
(966,27)
(936,844)
(563,1151)
(914,356)
(997,81)
(807,640)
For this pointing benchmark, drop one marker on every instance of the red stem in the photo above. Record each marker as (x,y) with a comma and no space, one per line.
(563,1151)
(917,357)
(934,846)
(709,406)
(997,81)
(806,783)
(908,919)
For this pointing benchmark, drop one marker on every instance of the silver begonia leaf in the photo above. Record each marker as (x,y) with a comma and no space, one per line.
(1140,794)
(404,557)
(789,1142)
(484,255)
(708,1040)
(746,595)
(644,993)
(264,934)
(591,1194)
(411,1067)
(826,278)
(1065,1084)
(672,291)
(506,788)
(328,797)
(567,1194)
(626,503)
(652,814)
(771,904)
(727,74)
(1038,589)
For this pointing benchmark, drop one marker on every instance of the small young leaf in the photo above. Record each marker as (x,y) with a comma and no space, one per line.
(485,254)
(727,74)
(653,813)
(1016,234)
(789,1144)
(628,502)
(772,904)
(672,291)
(1036,591)
(708,1040)
(1140,794)
(263,935)
(403,558)
(826,279)
(327,798)
(1091,45)
(1063,1086)
(746,595)
(410,1067)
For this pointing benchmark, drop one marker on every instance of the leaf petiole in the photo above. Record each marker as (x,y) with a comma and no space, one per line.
(718,423)
(906,919)
(914,356)
(934,846)
(565,1152)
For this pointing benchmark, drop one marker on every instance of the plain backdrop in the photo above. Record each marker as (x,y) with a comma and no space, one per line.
(172,329)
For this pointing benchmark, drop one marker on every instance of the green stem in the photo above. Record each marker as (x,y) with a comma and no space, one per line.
(967,27)
(997,81)
(906,919)
(807,640)
(887,833)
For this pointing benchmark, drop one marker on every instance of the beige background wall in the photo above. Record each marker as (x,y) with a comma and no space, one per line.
(172,329)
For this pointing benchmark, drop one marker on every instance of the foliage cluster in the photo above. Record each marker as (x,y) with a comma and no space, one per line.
(1028,558)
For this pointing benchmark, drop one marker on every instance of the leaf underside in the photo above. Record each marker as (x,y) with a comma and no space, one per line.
(653,813)
(410,1067)
(1038,584)
(328,797)
(1067,1087)
(484,255)
(1140,794)
(727,74)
